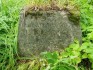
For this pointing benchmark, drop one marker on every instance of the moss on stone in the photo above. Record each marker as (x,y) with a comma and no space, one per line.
(59,5)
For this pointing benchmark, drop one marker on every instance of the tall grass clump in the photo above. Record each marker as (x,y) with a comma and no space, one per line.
(9,15)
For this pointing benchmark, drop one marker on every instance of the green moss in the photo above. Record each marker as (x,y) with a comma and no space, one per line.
(74,18)
(58,5)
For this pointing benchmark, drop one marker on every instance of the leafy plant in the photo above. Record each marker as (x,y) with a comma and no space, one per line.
(69,59)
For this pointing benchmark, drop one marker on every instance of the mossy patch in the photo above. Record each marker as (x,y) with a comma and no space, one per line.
(52,5)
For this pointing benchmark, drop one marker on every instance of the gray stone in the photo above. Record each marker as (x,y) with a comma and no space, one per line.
(46,31)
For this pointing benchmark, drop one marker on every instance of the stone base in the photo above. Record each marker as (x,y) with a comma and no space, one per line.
(46,31)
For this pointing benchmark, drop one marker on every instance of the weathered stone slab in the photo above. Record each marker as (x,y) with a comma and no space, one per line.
(46,31)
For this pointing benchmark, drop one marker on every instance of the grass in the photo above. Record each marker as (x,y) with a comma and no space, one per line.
(9,11)
(9,17)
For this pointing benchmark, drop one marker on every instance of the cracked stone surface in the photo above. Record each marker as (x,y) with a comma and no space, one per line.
(45,31)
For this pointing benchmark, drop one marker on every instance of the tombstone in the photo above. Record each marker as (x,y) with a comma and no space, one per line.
(41,31)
